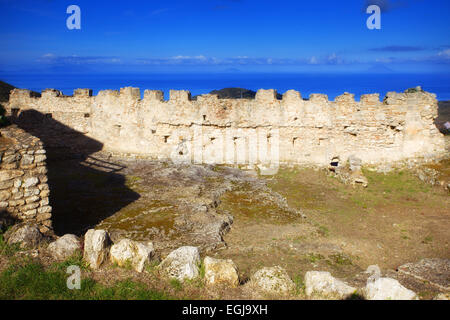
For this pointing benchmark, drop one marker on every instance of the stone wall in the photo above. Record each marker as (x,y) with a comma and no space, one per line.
(252,131)
(24,192)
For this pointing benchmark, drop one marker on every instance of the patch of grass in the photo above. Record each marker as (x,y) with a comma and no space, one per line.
(31,281)
(201,269)
(340,259)
(427,240)
(314,257)
(7,249)
(323,231)
(299,284)
(75,260)
(176,284)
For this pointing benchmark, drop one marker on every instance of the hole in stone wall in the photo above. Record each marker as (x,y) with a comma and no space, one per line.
(204,117)
(153,131)
(212,139)
(334,162)
(15,112)
(294,139)
(87,115)
(165,138)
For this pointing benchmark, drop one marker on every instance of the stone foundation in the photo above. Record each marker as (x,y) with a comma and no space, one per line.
(24,192)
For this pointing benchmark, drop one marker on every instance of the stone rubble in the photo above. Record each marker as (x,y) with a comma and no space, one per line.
(65,247)
(324,284)
(96,245)
(274,280)
(182,263)
(221,272)
(133,253)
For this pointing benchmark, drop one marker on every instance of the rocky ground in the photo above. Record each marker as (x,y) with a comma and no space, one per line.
(301,219)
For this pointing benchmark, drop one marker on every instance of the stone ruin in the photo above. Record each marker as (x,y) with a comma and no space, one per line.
(24,192)
(258,131)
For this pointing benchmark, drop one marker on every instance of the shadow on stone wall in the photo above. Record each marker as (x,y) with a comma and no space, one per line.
(83,189)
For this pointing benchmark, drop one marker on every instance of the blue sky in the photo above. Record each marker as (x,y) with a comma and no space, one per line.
(225,36)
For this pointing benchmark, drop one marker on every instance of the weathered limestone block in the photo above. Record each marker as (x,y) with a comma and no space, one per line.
(292,96)
(394,98)
(4,195)
(387,289)
(370,99)
(96,243)
(134,253)
(324,284)
(20,94)
(64,247)
(130,93)
(318,98)
(180,95)
(151,95)
(106,94)
(266,96)
(40,158)
(274,280)
(82,93)
(26,234)
(346,98)
(221,272)
(26,160)
(182,263)
(6,175)
(50,93)
(30,182)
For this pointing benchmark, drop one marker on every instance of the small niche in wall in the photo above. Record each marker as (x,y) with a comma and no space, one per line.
(15,112)
(87,115)
(166,138)
(294,140)
(204,117)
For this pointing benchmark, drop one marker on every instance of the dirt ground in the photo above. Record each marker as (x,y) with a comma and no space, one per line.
(301,218)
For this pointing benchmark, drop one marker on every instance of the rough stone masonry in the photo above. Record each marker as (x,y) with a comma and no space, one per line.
(246,131)
(24,192)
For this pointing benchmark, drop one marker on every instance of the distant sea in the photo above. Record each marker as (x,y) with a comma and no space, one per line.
(331,84)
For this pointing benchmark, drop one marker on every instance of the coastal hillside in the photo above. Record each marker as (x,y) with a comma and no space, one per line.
(5,88)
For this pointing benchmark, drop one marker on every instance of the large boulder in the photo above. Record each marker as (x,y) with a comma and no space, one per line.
(387,289)
(324,284)
(27,235)
(96,243)
(64,247)
(182,263)
(221,272)
(132,253)
(274,280)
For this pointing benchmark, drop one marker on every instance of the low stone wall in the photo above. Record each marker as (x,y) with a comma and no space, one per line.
(24,192)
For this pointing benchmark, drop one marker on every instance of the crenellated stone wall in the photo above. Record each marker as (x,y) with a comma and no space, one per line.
(24,192)
(254,131)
